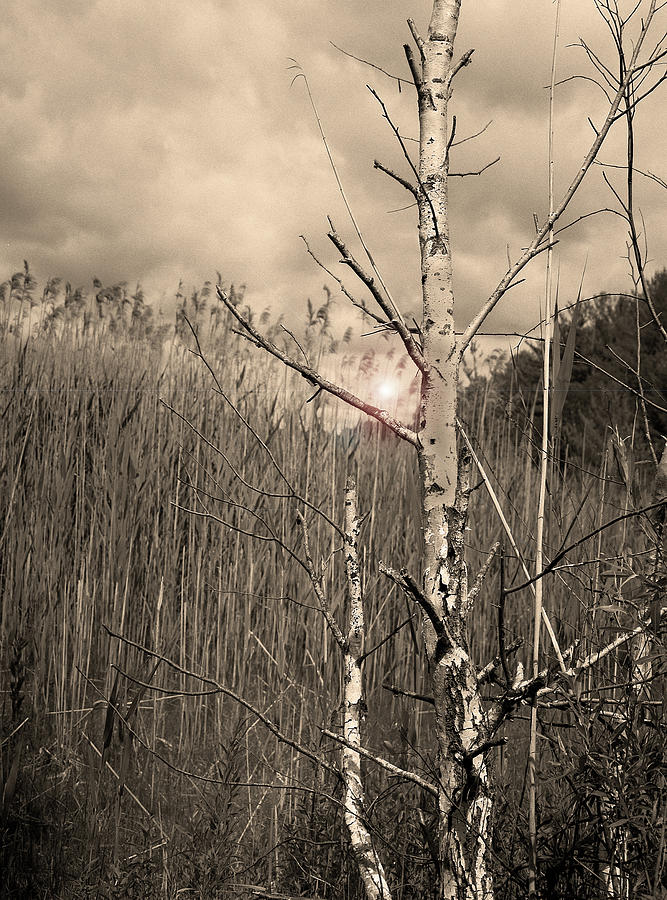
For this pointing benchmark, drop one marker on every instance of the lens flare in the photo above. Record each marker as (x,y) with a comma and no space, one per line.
(388,389)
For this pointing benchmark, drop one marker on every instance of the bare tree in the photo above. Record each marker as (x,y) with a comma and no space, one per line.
(467,724)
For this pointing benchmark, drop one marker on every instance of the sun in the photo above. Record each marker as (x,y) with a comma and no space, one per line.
(388,389)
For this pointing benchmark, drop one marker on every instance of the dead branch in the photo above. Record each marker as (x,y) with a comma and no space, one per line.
(395,322)
(372,65)
(316,582)
(478,172)
(385,764)
(481,575)
(353,300)
(560,208)
(220,688)
(401,692)
(318,380)
(398,178)
(410,587)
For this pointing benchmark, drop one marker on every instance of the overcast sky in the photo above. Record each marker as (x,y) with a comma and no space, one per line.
(153,141)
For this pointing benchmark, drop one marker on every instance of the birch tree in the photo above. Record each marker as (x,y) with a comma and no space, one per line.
(467,726)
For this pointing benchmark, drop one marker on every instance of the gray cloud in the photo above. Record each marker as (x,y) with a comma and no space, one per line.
(149,142)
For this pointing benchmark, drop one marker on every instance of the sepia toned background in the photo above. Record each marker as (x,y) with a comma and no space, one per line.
(162,141)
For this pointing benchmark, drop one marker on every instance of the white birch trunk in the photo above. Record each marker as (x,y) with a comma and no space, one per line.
(465,800)
(370,867)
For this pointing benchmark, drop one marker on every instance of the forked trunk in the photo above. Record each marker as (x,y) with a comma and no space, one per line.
(465,799)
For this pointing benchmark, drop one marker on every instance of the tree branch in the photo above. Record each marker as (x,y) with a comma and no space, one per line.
(385,764)
(316,581)
(405,581)
(353,300)
(396,322)
(481,575)
(318,380)
(478,172)
(402,181)
(272,727)
(544,230)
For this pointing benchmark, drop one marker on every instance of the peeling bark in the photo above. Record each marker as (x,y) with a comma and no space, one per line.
(465,802)
(370,866)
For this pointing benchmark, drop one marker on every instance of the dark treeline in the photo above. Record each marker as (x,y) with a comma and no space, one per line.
(617,335)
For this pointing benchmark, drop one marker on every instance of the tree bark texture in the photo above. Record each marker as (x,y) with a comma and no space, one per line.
(465,801)
(368,862)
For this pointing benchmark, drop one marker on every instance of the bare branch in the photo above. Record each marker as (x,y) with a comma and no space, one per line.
(584,78)
(399,138)
(344,196)
(647,174)
(618,381)
(563,553)
(402,181)
(416,37)
(397,323)
(400,692)
(268,723)
(407,583)
(478,172)
(316,581)
(456,68)
(199,354)
(534,247)
(385,764)
(481,575)
(293,495)
(387,638)
(353,300)
(318,380)
(471,137)
(496,663)
(595,212)
(271,538)
(291,334)
(367,62)
(414,71)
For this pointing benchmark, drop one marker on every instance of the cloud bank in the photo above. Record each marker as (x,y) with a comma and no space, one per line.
(158,141)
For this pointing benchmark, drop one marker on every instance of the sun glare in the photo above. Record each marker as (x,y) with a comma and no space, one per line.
(388,389)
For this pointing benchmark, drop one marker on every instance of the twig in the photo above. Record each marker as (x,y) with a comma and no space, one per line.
(481,575)
(398,178)
(560,208)
(464,61)
(353,300)
(478,172)
(399,138)
(385,764)
(272,727)
(405,581)
(471,137)
(316,582)
(411,345)
(560,555)
(367,62)
(401,692)
(357,229)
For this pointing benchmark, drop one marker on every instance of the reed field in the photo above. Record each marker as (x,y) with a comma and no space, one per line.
(148,535)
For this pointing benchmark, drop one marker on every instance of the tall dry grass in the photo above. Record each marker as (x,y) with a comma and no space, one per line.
(101,457)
